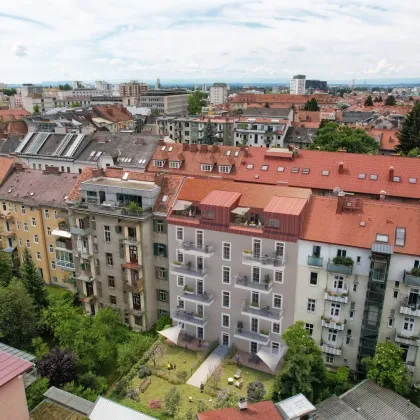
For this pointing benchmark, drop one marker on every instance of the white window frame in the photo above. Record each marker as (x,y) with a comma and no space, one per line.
(230,299)
(183,281)
(223,251)
(312,304)
(282,276)
(38,256)
(28,244)
(275,344)
(225,169)
(36,239)
(221,320)
(48,231)
(272,327)
(253,242)
(206,167)
(107,232)
(281,301)
(317,278)
(47,213)
(179,252)
(179,299)
(307,329)
(159,163)
(282,244)
(25,227)
(223,333)
(20,241)
(179,230)
(333,308)
(23,210)
(33,222)
(174,164)
(53,265)
(223,274)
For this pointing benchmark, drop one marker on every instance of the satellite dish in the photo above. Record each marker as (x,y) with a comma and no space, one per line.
(336,190)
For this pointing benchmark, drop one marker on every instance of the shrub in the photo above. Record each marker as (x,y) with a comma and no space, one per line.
(167,376)
(255,391)
(162,322)
(155,404)
(35,392)
(133,394)
(415,272)
(143,372)
(59,366)
(122,386)
(201,406)
(347,261)
(182,375)
(172,402)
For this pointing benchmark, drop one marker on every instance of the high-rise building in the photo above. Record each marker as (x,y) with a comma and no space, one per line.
(316,85)
(298,85)
(158,85)
(103,85)
(218,93)
(133,89)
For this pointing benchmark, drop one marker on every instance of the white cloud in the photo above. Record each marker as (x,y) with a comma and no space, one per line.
(384,67)
(20,50)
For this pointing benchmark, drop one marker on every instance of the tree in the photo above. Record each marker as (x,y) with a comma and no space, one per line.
(332,137)
(64,87)
(9,92)
(6,269)
(215,373)
(303,370)
(172,402)
(163,322)
(390,101)
(208,135)
(75,104)
(414,152)
(311,105)
(409,135)
(338,381)
(387,368)
(255,391)
(40,348)
(33,281)
(155,112)
(380,99)
(35,392)
(36,109)
(59,366)
(196,100)
(129,353)
(158,353)
(226,398)
(369,101)
(18,315)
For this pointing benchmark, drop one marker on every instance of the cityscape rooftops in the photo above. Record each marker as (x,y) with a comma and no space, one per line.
(267,112)
(280,98)
(13,114)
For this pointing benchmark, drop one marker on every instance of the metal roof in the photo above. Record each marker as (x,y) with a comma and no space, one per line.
(108,410)
(382,248)
(295,407)
(69,400)
(335,408)
(17,353)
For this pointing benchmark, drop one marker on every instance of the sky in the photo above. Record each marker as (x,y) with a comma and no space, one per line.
(217,40)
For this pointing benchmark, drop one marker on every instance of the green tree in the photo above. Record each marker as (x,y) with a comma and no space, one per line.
(58,365)
(6,269)
(33,281)
(155,112)
(18,315)
(9,92)
(40,348)
(172,402)
(208,135)
(163,322)
(409,135)
(36,109)
(35,392)
(332,137)
(75,104)
(414,152)
(64,87)
(226,398)
(338,382)
(129,353)
(390,101)
(387,368)
(255,391)
(196,100)
(311,105)
(303,370)
(369,101)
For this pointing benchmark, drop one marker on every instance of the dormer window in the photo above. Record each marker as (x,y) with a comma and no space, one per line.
(206,167)
(225,169)
(174,164)
(159,163)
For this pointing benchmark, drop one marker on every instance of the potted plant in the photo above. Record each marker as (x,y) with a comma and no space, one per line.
(267,281)
(264,332)
(239,326)
(247,251)
(188,289)
(254,304)
(176,263)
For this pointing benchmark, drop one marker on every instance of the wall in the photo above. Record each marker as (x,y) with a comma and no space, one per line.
(13,400)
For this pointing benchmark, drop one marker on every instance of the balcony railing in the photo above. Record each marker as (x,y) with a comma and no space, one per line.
(409,340)
(65,264)
(330,348)
(189,317)
(265,260)
(75,230)
(252,336)
(130,240)
(188,270)
(330,323)
(378,275)
(64,245)
(410,307)
(261,312)
(205,249)
(315,261)
(245,281)
(347,270)
(198,297)
(336,297)
(411,279)
(115,209)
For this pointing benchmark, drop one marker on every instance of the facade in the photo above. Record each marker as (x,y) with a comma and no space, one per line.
(103,85)
(29,89)
(167,101)
(218,94)
(132,89)
(298,85)
(316,85)
(83,93)
(231,261)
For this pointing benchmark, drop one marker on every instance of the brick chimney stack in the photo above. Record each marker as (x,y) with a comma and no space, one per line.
(341,168)
(391,173)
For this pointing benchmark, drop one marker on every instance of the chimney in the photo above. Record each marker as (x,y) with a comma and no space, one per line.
(193,147)
(246,152)
(391,173)
(341,168)
(242,404)
(52,170)
(18,166)
(97,173)
(185,146)
(159,179)
(382,195)
(340,202)
(161,142)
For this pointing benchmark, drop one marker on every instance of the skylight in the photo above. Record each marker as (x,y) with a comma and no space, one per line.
(163,148)
(125,177)
(396,179)
(305,171)
(361,176)
(236,153)
(400,236)
(228,153)
(325,173)
(295,170)
(373,177)
(170,149)
(164,199)
(250,166)
(280,169)
(382,238)
(264,167)
(412,180)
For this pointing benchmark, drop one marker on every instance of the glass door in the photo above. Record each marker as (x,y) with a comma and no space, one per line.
(200,287)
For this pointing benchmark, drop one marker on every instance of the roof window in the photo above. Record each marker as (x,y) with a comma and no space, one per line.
(163,148)
(305,171)
(400,236)
(361,176)
(295,170)
(382,238)
(236,154)
(325,173)
(264,168)
(396,179)
(170,149)
(373,177)
(228,153)
(250,166)
(280,169)
(412,180)
(164,198)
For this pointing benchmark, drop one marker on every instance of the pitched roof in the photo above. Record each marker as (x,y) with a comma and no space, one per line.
(260,411)
(113,113)
(11,366)
(6,164)
(286,205)
(267,112)
(13,114)
(323,224)
(34,187)
(388,139)
(221,198)
(106,409)
(334,408)
(281,98)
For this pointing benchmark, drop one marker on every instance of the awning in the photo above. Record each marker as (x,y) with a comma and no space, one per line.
(382,248)
(271,360)
(9,249)
(182,205)
(241,210)
(171,333)
(62,233)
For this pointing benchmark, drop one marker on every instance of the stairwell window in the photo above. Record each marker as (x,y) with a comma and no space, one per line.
(310,307)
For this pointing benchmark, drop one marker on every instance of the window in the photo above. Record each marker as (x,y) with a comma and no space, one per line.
(162,295)
(264,167)
(160,226)
(225,320)
(390,322)
(408,324)
(313,280)
(275,348)
(374,177)
(361,176)
(396,179)
(112,299)
(111,281)
(25,227)
(305,171)
(226,275)
(358,260)
(173,164)
(138,319)
(309,328)
(53,265)
(332,335)
(354,287)
(55,280)
(395,294)
(17,225)
(352,310)
(274,223)
(36,239)
(22,209)
(159,163)
(325,173)
(28,243)
(179,234)
(335,309)
(51,249)
(180,257)
(341,253)
(412,180)
(279,249)
(329,359)
(161,273)
(48,231)
(226,299)
(109,259)
(277,300)
(33,221)
(180,281)
(226,251)
(159,250)
(256,274)
(397,284)
(20,241)
(280,169)
(206,168)
(275,328)
(209,214)
(225,169)
(250,166)
(400,236)
(107,234)
(278,276)
(295,170)
(311,305)
(382,238)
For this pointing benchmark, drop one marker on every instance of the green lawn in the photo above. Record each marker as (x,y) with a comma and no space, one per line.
(56,290)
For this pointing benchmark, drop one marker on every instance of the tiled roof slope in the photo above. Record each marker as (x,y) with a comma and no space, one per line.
(6,165)
(264,410)
(13,114)
(335,409)
(323,224)
(11,366)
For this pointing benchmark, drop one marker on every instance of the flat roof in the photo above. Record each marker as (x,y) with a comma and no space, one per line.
(115,182)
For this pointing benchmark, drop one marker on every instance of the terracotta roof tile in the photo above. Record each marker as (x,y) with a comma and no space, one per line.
(11,367)
(264,410)
(387,138)
(114,113)
(6,165)
(13,114)
(281,98)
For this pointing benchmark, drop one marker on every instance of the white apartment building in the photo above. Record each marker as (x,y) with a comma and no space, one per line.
(218,93)
(103,85)
(298,85)
(355,284)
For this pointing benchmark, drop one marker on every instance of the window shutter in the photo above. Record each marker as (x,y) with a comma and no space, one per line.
(154,225)
(165,274)
(93,225)
(155,249)
(164,227)
(164,251)
(157,272)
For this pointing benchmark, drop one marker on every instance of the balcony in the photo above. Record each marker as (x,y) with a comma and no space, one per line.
(130,240)
(8,233)
(84,253)
(315,261)
(202,251)
(336,297)
(403,337)
(67,245)
(378,275)
(188,270)
(266,312)
(189,318)
(248,335)
(67,265)
(244,282)
(330,323)
(330,348)
(411,279)
(202,298)
(347,270)
(84,276)
(74,230)
(410,307)
(263,261)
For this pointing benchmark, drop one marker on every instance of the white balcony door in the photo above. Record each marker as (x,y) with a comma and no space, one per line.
(254,325)
(335,311)
(256,248)
(408,326)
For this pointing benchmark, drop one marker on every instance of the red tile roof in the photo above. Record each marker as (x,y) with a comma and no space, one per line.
(13,114)
(6,165)
(264,410)
(388,139)
(11,367)
(323,224)
(114,113)
(281,98)
(309,116)
(221,198)
(17,128)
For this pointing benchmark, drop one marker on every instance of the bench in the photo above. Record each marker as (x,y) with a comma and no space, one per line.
(144,384)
